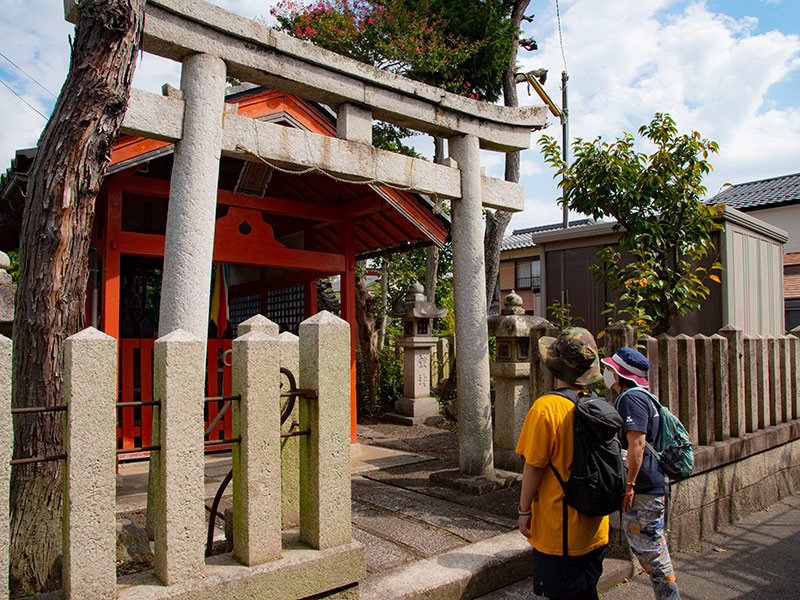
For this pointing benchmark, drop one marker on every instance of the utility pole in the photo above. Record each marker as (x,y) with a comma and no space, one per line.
(565,135)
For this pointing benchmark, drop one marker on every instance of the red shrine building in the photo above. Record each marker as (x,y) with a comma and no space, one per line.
(277,233)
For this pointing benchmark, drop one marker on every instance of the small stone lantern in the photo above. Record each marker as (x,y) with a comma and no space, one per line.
(416,406)
(6,297)
(511,372)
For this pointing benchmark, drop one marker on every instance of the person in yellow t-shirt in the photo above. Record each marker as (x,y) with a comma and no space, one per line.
(547,437)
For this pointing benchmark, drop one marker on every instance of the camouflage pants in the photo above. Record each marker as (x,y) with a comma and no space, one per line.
(644,528)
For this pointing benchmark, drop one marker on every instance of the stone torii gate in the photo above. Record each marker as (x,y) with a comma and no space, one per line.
(211,44)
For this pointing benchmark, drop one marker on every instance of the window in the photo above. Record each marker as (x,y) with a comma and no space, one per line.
(528,275)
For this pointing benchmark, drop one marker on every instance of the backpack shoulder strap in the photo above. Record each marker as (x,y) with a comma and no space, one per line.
(566,393)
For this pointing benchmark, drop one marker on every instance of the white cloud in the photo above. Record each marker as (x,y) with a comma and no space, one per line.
(711,72)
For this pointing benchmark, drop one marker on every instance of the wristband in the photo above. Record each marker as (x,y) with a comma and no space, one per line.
(523,513)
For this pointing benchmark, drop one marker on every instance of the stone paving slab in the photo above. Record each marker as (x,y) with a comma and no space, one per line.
(469,524)
(421,540)
(380,554)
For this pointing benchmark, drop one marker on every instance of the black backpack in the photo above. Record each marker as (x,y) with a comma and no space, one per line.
(596,486)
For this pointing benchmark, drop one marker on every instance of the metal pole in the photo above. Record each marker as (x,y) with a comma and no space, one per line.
(565,135)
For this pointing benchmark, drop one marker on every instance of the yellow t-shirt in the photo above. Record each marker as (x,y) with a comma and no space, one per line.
(547,436)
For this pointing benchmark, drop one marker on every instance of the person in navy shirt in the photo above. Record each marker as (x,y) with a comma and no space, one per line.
(643,507)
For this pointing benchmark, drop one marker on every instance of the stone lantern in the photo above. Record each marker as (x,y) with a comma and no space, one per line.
(416,406)
(6,297)
(511,371)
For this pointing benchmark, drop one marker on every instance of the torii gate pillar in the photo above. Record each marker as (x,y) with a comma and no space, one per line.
(469,284)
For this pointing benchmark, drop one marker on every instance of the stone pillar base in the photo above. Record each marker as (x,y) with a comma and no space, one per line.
(416,411)
(476,485)
(507,459)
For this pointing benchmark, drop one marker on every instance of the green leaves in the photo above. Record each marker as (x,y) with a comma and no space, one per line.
(665,229)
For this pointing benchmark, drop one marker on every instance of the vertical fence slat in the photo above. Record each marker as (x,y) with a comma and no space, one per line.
(668,368)
(256,459)
(784,355)
(649,347)
(751,383)
(719,360)
(325,452)
(762,382)
(6,443)
(687,387)
(794,362)
(178,490)
(89,482)
(775,398)
(736,379)
(706,397)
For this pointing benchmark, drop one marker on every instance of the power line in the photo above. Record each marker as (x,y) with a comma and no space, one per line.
(560,37)
(28,75)
(10,89)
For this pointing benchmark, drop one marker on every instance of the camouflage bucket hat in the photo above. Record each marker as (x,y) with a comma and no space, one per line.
(572,356)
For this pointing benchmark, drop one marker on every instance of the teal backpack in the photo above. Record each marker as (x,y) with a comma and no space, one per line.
(675,453)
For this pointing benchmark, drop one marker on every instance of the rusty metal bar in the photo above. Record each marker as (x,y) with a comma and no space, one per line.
(37,459)
(132,404)
(38,409)
(142,449)
(296,433)
(218,418)
(235,440)
(295,393)
(223,398)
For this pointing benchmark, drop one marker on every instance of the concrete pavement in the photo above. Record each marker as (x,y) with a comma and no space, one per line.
(754,559)
(423,540)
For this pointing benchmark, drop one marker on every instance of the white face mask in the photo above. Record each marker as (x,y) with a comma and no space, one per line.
(609,377)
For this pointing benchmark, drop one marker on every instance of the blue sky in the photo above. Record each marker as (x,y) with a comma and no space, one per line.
(729,69)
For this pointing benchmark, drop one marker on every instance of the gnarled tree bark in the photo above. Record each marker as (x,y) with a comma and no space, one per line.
(73,154)
(497,221)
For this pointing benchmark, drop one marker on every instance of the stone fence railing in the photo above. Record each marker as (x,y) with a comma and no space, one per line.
(261,558)
(737,396)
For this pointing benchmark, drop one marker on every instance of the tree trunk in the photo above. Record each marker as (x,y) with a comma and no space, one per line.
(497,221)
(432,252)
(366,313)
(384,302)
(71,160)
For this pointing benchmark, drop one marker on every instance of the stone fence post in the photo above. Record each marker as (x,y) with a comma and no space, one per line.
(256,458)
(648,346)
(179,512)
(618,334)
(325,452)
(736,379)
(541,379)
(668,373)
(290,446)
(705,396)
(687,383)
(90,442)
(794,369)
(6,444)
(722,389)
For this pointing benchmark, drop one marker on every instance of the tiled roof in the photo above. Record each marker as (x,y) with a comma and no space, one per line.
(791,286)
(756,194)
(791,258)
(523,238)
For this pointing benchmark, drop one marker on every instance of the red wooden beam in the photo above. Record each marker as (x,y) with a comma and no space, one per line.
(279,206)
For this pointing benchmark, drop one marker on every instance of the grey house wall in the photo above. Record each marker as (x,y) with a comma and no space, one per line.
(750,296)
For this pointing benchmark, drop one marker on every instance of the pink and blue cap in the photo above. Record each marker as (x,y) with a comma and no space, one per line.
(630,364)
